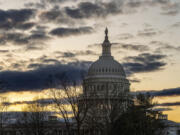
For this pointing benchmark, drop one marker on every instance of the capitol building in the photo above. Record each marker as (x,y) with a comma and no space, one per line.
(106,86)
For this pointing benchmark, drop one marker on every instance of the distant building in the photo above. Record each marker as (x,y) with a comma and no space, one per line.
(163,116)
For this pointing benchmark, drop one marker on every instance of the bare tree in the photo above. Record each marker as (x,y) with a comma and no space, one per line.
(3,113)
(33,118)
(71,105)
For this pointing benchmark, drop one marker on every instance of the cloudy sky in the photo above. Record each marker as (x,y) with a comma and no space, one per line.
(40,40)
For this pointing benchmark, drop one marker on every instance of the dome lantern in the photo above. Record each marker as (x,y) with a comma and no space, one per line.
(106,46)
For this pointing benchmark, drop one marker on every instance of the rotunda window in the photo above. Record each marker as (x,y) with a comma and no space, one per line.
(97,87)
(115,86)
(92,87)
(89,87)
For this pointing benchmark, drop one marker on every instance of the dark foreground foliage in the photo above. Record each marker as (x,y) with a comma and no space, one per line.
(139,119)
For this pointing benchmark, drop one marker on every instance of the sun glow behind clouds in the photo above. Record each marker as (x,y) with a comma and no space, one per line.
(173,115)
(174,111)
(22,96)
(15,97)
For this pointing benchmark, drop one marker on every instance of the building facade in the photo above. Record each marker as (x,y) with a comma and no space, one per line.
(106,89)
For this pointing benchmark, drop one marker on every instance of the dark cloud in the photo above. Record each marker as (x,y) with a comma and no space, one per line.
(170,8)
(163,109)
(167,92)
(78,13)
(15,65)
(58,16)
(139,3)
(168,48)
(51,15)
(4,51)
(34,47)
(39,5)
(170,104)
(148,32)
(63,32)
(15,22)
(19,38)
(40,101)
(134,80)
(125,36)
(42,4)
(134,4)
(164,46)
(86,52)
(94,45)
(88,9)
(75,53)
(124,46)
(38,36)
(165,5)
(132,47)
(176,24)
(51,61)
(14,37)
(35,66)
(60,1)
(162,93)
(73,15)
(26,26)
(43,76)
(68,55)
(162,1)
(15,18)
(170,13)
(144,62)
(1,68)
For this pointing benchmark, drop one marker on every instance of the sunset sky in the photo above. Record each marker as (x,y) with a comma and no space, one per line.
(42,39)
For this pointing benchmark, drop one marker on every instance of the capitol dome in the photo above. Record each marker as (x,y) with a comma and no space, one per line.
(106,65)
(106,74)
